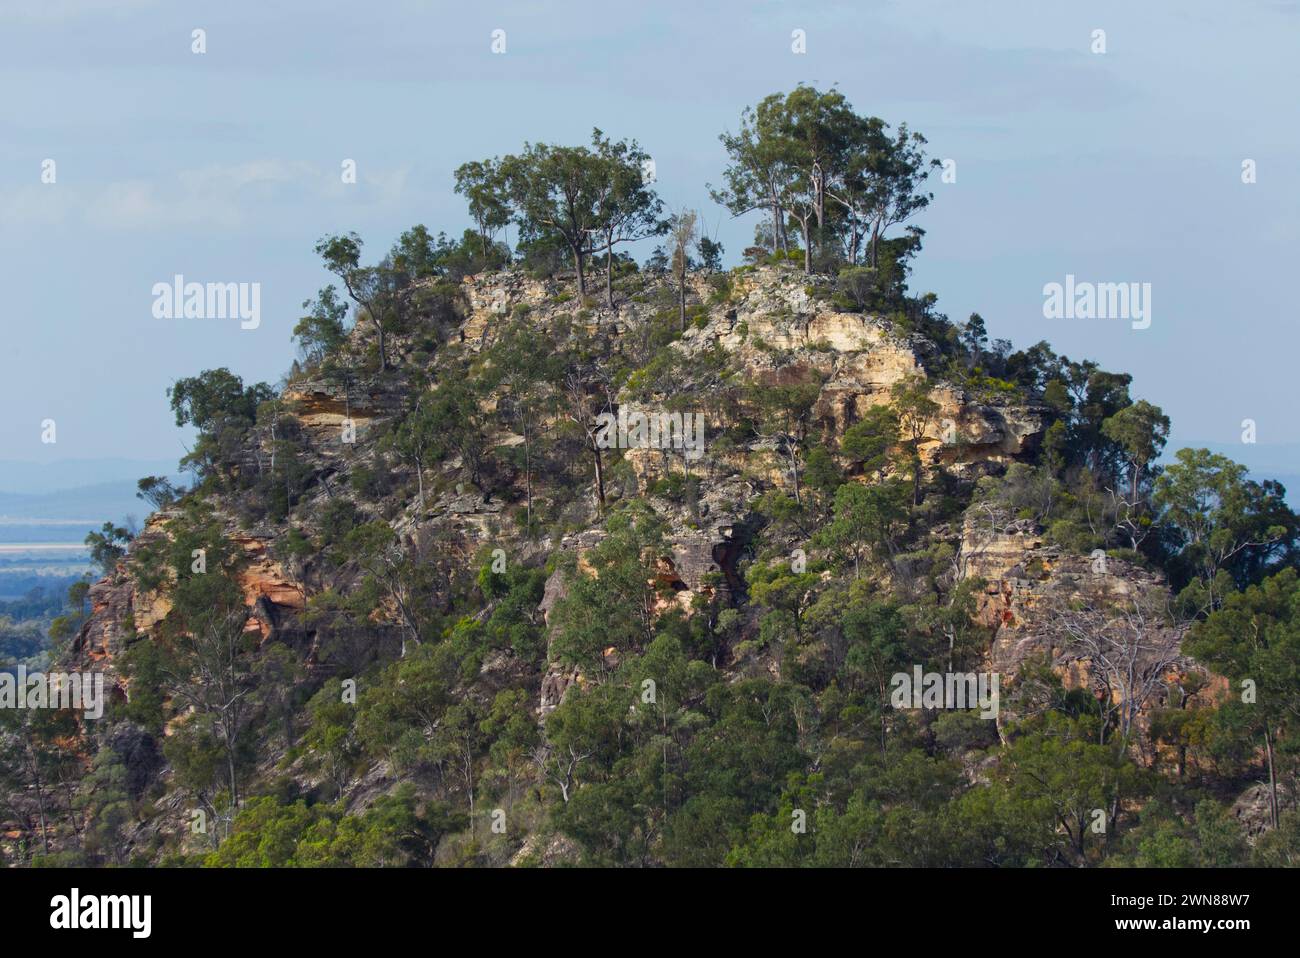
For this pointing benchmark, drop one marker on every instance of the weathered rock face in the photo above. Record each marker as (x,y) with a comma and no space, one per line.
(1026,580)
(268,591)
(1066,579)
(1252,809)
(862,379)
(118,606)
(547,851)
(558,677)
(970,437)
(323,406)
(1069,609)
(778,328)
(118,603)
(860,361)
(555,684)
(1097,621)
(139,754)
(102,635)
(697,562)
(491,299)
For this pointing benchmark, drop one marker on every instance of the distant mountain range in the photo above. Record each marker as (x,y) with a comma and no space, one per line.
(61,501)
(95,504)
(21,476)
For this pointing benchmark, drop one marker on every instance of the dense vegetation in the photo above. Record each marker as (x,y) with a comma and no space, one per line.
(393,720)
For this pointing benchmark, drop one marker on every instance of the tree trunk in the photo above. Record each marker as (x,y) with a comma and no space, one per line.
(609,268)
(528,473)
(469,785)
(577,263)
(383,354)
(1272,778)
(40,805)
(792,453)
(778,223)
(681,292)
(600,473)
(230,769)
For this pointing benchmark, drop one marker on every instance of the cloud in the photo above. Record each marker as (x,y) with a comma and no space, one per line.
(140,204)
(230,179)
(37,204)
(221,197)
(389,186)
(63,11)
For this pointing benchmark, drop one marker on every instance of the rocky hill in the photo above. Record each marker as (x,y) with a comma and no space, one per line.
(435,614)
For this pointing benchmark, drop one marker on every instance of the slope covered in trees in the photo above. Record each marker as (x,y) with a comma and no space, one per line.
(440,600)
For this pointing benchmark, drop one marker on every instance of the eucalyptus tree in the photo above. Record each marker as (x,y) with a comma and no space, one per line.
(627,206)
(808,158)
(364,284)
(586,199)
(481,183)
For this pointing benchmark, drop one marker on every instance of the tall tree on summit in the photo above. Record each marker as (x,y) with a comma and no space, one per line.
(626,205)
(682,234)
(342,256)
(480,182)
(589,200)
(808,159)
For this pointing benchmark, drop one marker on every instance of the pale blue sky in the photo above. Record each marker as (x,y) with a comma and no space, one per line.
(225,167)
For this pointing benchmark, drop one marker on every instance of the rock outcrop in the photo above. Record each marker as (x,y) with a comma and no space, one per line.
(323,407)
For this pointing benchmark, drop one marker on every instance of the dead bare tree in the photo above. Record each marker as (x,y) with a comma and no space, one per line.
(586,393)
(1130,646)
(682,234)
(560,766)
(415,570)
(211,674)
